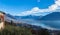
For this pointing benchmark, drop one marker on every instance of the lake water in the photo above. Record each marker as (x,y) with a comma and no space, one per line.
(44,24)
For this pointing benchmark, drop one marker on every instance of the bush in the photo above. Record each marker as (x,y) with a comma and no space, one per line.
(14,30)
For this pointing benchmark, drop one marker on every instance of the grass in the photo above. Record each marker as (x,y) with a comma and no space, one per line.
(15,30)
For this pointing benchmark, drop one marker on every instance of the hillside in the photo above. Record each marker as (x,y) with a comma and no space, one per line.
(52,16)
(28,17)
(15,30)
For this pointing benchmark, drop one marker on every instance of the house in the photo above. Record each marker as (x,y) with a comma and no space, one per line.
(1,20)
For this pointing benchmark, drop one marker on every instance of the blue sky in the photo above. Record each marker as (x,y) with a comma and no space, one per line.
(15,7)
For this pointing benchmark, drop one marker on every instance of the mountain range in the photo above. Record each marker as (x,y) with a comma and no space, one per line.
(28,17)
(52,16)
(36,20)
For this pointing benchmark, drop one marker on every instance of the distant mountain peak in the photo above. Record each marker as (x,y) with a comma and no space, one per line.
(52,16)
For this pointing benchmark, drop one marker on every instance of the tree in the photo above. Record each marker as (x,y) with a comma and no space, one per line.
(43,32)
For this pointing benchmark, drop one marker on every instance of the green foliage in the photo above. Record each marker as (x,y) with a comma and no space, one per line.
(15,30)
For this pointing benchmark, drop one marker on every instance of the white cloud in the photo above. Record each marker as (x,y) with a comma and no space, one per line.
(53,7)
(35,10)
